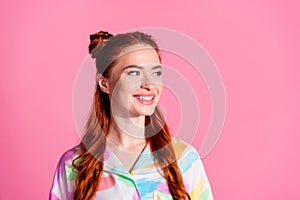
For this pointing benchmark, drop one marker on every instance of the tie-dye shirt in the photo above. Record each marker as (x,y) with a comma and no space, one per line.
(144,182)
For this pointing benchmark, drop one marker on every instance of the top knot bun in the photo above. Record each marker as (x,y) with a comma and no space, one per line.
(97,38)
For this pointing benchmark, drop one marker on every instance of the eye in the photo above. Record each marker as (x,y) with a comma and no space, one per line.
(158,73)
(133,73)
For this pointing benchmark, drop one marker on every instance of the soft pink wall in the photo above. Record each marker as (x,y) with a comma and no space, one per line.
(255,45)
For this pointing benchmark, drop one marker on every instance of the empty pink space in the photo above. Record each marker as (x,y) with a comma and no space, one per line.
(255,45)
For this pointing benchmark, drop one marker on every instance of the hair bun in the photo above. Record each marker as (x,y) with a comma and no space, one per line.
(97,38)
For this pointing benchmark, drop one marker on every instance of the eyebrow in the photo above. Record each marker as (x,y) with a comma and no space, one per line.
(140,67)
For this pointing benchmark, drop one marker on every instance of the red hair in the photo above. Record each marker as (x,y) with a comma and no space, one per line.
(89,163)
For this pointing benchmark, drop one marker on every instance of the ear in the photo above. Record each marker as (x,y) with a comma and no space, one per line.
(103,83)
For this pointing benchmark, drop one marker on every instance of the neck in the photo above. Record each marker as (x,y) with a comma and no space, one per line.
(127,133)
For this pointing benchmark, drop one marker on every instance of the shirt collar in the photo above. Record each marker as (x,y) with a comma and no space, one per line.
(145,162)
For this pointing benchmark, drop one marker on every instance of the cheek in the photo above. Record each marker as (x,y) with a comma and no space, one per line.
(127,84)
(160,87)
(160,90)
(123,89)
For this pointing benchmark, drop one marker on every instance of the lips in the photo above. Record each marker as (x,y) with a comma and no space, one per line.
(146,99)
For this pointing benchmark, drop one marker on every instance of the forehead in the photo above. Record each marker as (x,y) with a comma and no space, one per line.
(143,55)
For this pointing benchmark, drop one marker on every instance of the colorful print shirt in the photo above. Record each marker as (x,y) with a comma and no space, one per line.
(144,182)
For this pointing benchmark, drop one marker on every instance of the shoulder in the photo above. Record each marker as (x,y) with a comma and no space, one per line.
(63,182)
(188,158)
(193,171)
(65,167)
(183,149)
(68,156)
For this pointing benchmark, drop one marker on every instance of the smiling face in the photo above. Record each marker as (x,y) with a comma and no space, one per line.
(135,84)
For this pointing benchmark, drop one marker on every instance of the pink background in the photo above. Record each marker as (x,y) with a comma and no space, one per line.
(255,45)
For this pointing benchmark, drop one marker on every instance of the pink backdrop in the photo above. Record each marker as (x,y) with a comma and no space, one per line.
(255,45)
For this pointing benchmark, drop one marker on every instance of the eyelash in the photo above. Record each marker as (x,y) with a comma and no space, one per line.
(137,73)
(133,73)
(157,73)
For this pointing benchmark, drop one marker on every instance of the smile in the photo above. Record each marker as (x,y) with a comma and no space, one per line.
(145,99)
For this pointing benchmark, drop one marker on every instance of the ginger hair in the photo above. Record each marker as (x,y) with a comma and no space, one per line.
(106,49)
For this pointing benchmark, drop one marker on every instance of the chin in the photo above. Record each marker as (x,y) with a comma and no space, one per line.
(146,112)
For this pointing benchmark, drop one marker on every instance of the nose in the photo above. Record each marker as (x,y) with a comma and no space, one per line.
(147,83)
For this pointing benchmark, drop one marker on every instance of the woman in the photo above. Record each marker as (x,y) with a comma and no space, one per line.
(127,151)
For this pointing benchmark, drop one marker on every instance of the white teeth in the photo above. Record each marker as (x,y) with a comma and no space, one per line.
(147,98)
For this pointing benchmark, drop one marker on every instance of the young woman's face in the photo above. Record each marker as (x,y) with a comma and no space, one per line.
(136,83)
